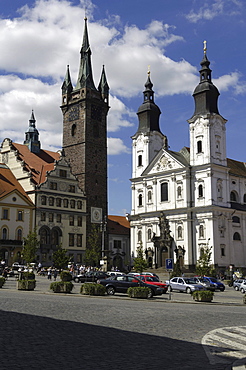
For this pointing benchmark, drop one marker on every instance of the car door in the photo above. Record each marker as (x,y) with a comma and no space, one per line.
(174,284)
(121,284)
(181,284)
(132,281)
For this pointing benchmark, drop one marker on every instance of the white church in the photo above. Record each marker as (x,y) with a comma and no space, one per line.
(183,201)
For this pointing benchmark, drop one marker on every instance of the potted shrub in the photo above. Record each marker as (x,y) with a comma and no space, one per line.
(92,289)
(66,276)
(63,286)
(27,281)
(139,292)
(203,295)
(2,281)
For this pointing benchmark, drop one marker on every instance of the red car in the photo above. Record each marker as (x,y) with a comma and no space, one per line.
(154,281)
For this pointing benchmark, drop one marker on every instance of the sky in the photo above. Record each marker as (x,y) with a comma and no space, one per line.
(38,39)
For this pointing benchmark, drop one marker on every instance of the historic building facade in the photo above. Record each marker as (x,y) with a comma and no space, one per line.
(183,201)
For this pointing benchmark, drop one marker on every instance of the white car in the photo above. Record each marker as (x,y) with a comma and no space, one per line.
(242,287)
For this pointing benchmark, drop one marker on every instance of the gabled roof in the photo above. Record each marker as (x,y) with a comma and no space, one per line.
(9,184)
(118,225)
(236,168)
(36,163)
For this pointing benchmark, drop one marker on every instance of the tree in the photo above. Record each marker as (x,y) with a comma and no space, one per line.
(203,266)
(60,258)
(93,250)
(30,247)
(140,262)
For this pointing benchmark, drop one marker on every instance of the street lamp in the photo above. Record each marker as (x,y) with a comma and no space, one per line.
(103,228)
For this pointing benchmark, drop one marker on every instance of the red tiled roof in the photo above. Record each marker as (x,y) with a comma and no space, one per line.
(9,184)
(118,225)
(36,163)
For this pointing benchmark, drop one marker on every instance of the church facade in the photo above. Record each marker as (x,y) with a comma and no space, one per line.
(185,201)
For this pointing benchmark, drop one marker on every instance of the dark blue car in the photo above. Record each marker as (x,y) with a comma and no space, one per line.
(218,285)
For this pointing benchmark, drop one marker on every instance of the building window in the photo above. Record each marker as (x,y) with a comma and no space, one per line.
(58,217)
(51,217)
(244,198)
(79,240)
(44,236)
(179,191)
(54,237)
(199,146)
(201,231)
(51,201)
(149,196)
(43,216)
(139,236)
(20,215)
(43,200)
(5,214)
(53,185)
(72,203)
(4,233)
(140,160)
(71,189)
(200,191)
(236,236)
(140,200)
(71,239)
(79,221)
(79,204)
(236,219)
(222,250)
(233,196)
(117,244)
(73,131)
(63,173)
(58,202)
(149,234)
(180,232)
(65,203)
(71,220)
(164,192)
(19,234)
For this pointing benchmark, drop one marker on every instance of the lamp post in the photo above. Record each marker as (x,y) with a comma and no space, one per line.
(103,228)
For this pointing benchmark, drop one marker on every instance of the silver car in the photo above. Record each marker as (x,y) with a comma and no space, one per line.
(184,284)
(207,284)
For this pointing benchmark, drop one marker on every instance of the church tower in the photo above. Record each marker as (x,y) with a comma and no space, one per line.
(32,136)
(148,139)
(85,108)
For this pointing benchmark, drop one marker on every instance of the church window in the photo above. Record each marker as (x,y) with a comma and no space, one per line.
(5,214)
(236,219)
(43,200)
(200,191)
(222,250)
(4,233)
(199,146)
(139,236)
(140,200)
(149,234)
(19,234)
(233,196)
(180,232)
(140,160)
(164,192)
(51,201)
(179,191)
(71,220)
(44,236)
(201,231)
(236,236)
(73,130)
(149,196)
(20,215)
(58,202)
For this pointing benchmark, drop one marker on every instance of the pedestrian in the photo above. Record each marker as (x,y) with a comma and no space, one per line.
(49,274)
(55,274)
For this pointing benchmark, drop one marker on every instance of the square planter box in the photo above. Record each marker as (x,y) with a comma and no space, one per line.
(26,284)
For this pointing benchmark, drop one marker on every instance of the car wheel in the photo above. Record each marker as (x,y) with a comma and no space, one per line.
(236,288)
(222,289)
(150,294)
(188,290)
(110,290)
(242,290)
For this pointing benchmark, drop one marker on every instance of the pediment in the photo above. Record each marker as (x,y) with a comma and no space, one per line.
(166,161)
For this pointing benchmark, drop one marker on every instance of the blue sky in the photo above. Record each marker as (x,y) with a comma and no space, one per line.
(39,38)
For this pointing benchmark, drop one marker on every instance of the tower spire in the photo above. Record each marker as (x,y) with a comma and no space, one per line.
(32,136)
(103,86)
(67,86)
(85,77)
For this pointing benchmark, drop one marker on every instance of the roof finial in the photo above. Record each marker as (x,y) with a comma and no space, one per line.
(148,70)
(204,46)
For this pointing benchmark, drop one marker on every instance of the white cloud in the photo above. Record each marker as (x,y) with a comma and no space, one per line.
(116,146)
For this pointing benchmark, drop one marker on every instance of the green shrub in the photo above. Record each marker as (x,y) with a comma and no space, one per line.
(2,281)
(203,295)
(61,286)
(27,276)
(65,276)
(92,289)
(138,292)
(25,284)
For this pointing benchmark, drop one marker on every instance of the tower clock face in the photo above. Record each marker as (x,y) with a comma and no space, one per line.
(73,113)
(96,214)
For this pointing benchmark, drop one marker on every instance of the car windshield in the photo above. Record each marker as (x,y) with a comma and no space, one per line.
(190,281)
(149,278)
(213,280)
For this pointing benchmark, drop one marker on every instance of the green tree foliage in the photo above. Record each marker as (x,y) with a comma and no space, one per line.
(176,269)
(93,250)
(60,258)
(30,247)
(203,266)
(140,263)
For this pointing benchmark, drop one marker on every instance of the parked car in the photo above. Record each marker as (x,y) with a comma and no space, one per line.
(120,284)
(143,273)
(16,266)
(237,283)
(220,286)
(114,273)
(154,281)
(91,276)
(184,284)
(242,287)
(207,284)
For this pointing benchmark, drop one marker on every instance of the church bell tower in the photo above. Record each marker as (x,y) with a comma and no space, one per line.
(85,108)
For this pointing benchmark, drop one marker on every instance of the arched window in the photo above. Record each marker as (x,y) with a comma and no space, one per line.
(51,201)
(233,196)
(199,146)
(236,236)
(44,236)
(149,234)
(139,236)
(164,192)
(73,131)
(179,191)
(19,234)
(200,191)
(43,200)
(54,237)
(236,219)
(4,233)
(149,196)
(140,200)
(180,232)
(140,160)
(201,231)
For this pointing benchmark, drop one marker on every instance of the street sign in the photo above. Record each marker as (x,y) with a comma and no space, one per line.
(169,264)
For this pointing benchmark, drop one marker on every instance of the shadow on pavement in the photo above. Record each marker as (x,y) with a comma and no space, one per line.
(34,342)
